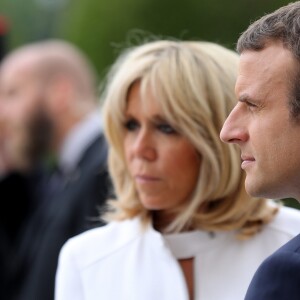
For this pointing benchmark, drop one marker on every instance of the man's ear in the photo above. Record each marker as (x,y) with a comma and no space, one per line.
(61,95)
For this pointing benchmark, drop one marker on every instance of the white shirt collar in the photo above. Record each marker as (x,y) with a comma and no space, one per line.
(188,244)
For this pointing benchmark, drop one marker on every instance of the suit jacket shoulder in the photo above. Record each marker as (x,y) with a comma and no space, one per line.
(278,277)
(95,155)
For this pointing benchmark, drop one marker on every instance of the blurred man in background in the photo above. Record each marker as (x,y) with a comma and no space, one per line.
(49,116)
(16,192)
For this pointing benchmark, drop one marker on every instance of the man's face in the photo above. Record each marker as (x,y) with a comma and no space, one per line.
(24,119)
(261,124)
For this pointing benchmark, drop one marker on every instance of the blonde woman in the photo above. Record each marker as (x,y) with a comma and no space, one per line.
(183,226)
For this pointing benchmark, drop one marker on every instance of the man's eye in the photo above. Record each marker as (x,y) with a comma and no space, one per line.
(166,128)
(250,105)
(131,125)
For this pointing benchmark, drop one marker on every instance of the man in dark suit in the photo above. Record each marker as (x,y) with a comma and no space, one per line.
(16,199)
(48,95)
(265,124)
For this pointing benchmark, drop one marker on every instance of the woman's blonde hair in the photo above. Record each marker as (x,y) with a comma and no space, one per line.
(194,82)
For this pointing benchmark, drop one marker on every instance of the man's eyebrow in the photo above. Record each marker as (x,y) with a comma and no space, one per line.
(245,98)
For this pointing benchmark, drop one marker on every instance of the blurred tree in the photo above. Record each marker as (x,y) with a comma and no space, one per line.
(291,202)
(101,27)
(31,20)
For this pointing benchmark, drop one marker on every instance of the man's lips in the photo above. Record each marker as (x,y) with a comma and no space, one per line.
(246,160)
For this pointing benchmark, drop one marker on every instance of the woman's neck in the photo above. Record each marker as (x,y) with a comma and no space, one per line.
(161,220)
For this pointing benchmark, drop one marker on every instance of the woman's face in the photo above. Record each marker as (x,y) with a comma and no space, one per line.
(163,164)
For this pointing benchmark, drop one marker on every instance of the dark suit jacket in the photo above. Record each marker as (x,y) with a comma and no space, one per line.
(63,212)
(15,203)
(18,195)
(278,277)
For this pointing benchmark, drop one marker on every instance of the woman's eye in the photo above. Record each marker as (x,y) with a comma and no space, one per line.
(166,128)
(131,125)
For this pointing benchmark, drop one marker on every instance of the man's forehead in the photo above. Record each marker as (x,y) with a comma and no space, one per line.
(265,67)
(263,72)
(21,60)
(271,57)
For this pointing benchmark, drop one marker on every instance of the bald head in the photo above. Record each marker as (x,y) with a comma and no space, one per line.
(49,83)
(52,59)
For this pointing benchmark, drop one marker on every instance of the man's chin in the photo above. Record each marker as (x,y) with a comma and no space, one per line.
(253,188)
(260,189)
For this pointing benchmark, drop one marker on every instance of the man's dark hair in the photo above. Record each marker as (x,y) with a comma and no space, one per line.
(282,25)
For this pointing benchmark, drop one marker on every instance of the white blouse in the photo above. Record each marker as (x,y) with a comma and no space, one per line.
(123,261)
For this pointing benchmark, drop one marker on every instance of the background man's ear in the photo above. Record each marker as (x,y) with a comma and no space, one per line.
(60,95)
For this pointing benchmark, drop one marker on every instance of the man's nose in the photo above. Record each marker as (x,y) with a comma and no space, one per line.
(233,130)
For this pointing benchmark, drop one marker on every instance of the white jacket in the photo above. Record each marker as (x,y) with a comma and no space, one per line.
(121,261)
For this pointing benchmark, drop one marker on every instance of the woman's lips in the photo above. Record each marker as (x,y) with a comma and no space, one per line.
(143,178)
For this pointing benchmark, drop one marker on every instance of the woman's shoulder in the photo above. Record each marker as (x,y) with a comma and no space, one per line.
(287,221)
(94,244)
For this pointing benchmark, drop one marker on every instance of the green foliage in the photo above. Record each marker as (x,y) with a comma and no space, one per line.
(291,203)
(28,20)
(101,27)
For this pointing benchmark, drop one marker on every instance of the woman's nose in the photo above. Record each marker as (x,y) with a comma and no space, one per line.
(144,146)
